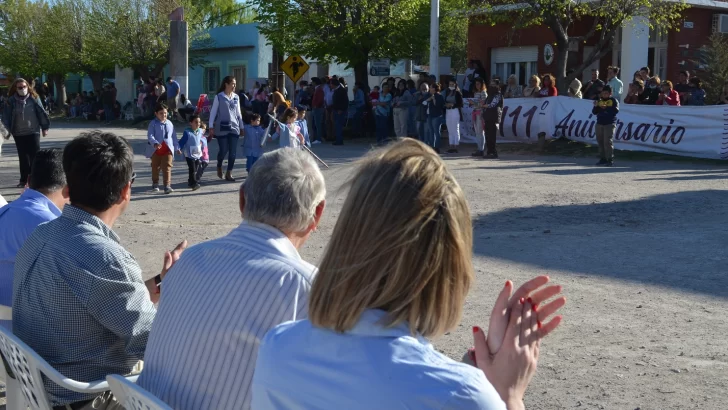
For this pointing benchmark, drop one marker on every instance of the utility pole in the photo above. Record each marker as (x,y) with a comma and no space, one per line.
(435,38)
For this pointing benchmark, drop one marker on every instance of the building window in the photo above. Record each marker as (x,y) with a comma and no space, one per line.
(519,61)
(211,81)
(238,72)
(522,69)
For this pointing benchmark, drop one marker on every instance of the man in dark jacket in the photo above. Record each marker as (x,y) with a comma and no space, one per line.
(339,107)
(591,90)
(606,109)
(492,111)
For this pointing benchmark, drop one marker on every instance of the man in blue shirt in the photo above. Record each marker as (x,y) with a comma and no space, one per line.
(173,89)
(79,299)
(41,202)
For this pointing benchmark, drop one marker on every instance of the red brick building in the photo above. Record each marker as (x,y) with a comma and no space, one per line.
(504,52)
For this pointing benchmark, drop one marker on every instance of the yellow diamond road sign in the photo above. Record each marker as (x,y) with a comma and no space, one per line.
(295,67)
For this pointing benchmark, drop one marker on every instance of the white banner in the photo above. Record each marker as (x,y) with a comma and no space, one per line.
(688,131)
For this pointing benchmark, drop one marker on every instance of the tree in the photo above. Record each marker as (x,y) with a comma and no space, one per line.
(454,34)
(605,17)
(58,45)
(348,32)
(453,37)
(135,33)
(36,39)
(19,37)
(715,57)
(216,13)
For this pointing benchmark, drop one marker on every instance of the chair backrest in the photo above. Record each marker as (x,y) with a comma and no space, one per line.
(27,366)
(133,397)
(24,363)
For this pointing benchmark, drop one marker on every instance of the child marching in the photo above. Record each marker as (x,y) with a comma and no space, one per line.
(288,133)
(254,135)
(205,159)
(162,143)
(191,146)
(303,124)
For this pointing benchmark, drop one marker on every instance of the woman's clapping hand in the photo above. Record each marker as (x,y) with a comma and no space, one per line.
(508,355)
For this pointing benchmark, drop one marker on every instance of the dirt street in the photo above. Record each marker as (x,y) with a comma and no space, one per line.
(640,249)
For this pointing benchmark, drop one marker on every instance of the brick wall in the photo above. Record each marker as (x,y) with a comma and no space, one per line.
(695,37)
(483,38)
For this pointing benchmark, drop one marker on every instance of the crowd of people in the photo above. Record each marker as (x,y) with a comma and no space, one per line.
(262,328)
(229,121)
(101,105)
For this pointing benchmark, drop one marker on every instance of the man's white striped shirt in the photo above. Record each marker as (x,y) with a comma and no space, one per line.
(218,301)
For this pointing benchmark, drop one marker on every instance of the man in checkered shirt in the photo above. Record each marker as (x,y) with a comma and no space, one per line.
(79,299)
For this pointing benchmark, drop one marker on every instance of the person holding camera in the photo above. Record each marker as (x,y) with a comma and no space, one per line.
(606,109)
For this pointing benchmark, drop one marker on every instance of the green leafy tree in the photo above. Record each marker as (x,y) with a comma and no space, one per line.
(454,34)
(453,39)
(216,13)
(19,37)
(715,76)
(37,40)
(135,33)
(607,16)
(58,43)
(347,32)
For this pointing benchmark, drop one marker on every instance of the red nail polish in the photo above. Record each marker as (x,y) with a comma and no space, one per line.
(476,329)
(507,283)
(530,301)
(534,307)
(539,324)
(522,301)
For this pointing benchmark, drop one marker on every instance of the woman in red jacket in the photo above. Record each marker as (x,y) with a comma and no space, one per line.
(549,87)
(668,96)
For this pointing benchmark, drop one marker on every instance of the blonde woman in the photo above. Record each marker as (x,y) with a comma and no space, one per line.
(513,89)
(277,103)
(387,283)
(534,86)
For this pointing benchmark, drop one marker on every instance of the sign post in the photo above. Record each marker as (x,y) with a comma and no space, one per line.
(295,67)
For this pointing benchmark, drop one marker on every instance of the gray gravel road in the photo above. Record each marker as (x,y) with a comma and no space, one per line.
(640,249)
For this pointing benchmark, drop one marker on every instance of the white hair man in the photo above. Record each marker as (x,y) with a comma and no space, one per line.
(223,295)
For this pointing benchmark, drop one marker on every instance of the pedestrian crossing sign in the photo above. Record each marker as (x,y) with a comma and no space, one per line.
(295,67)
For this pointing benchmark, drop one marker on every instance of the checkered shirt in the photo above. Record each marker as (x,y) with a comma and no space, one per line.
(80,302)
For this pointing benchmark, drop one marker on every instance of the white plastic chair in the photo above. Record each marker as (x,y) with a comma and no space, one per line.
(13,395)
(28,367)
(133,397)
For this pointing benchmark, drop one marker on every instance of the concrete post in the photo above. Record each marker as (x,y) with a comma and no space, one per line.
(635,45)
(178,51)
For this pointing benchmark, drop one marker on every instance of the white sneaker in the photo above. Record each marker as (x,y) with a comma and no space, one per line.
(316,142)
(168,190)
(155,188)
